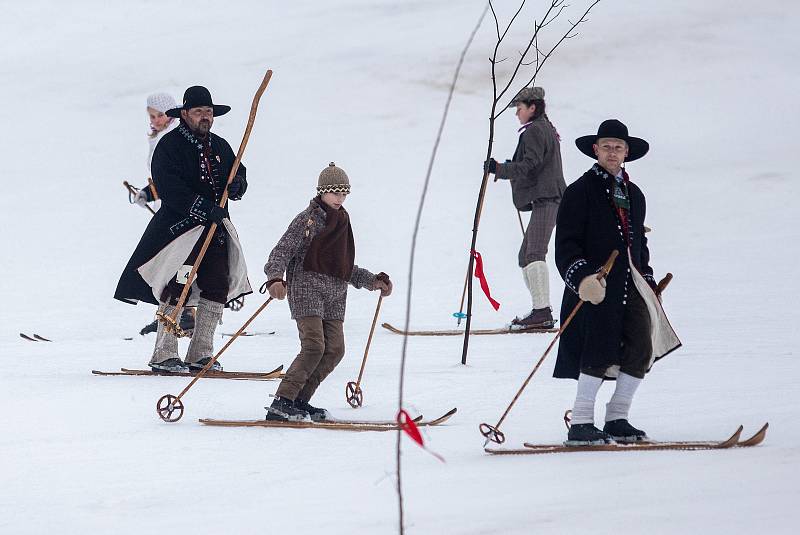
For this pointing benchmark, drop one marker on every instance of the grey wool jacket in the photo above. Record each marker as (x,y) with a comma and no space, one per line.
(535,171)
(311,293)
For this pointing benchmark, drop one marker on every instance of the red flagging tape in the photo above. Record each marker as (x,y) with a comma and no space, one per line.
(406,423)
(482,278)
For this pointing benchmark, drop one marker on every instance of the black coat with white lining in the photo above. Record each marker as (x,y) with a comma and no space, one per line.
(588,229)
(186,202)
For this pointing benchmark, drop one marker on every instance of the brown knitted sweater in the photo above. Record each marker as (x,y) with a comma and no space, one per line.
(311,293)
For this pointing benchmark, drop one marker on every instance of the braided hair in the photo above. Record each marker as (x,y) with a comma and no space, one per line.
(540,111)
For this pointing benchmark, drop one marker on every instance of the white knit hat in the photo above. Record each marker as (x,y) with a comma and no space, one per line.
(161,102)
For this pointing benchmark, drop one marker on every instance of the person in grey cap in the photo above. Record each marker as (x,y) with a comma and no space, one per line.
(317,254)
(537,184)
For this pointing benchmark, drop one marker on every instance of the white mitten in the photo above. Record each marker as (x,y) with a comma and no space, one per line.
(277,290)
(592,289)
(140,198)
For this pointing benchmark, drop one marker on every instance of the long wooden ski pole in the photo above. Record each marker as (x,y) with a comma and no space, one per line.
(470,264)
(171,322)
(353,392)
(492,432)
(168,405)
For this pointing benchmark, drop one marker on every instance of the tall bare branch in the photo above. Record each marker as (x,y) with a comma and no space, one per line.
(553,12)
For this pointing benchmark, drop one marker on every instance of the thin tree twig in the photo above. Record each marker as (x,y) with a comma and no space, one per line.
(525,53)
(553,12)
(549,53)
(398,451)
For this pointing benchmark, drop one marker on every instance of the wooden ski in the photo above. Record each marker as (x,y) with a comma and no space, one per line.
(459,332)
(241,376)
(731,442)
(340,425)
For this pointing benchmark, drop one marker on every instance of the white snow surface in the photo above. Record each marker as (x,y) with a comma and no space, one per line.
(712,85)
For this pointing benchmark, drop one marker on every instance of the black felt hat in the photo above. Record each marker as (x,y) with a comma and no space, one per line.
(195,97)
(637,147)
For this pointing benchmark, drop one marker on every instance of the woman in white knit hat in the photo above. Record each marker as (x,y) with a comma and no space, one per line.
(160,124)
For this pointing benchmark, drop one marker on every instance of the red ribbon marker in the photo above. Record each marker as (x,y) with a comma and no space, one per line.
(406,423)
(482,277)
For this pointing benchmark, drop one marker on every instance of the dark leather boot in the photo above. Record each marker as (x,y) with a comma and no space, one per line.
(539,318)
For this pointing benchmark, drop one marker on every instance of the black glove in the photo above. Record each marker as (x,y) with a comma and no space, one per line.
(383,277)
(217,214)
(490,165)
(205,210)
(148,193)
(237,187)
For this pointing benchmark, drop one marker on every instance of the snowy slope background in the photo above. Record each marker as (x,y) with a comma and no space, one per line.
(712,85)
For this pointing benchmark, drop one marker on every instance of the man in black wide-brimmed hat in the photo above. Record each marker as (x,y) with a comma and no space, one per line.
(190,169)
(621,330)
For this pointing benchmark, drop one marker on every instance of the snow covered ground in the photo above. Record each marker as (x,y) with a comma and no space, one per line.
(712,85)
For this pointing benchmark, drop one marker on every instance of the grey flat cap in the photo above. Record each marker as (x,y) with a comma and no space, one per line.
(527,94)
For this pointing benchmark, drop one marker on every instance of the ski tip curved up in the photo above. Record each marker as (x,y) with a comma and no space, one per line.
(756,439)
(734,441)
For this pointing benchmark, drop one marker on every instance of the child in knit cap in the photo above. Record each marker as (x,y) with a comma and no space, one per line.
(317,254)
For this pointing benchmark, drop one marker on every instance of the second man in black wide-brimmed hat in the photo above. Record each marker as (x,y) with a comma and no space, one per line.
(190,169)
(621,329)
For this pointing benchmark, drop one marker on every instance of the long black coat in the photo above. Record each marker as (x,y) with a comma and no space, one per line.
(587,230)
(186,202)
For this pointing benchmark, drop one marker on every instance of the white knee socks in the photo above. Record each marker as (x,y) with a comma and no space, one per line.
(583,410)
(537,280)
(620,403)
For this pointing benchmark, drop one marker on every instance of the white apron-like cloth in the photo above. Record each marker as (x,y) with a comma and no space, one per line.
(662,336)
(160,270)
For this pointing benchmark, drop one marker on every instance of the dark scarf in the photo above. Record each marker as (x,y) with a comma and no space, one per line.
(209,162)
(620,199)
(622,202)
(333,250)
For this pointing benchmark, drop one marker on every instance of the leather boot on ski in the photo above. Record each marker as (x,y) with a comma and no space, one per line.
(200,364)
(174,365)
(539,318)
(587,435)
(622,431)
(285,410)
(317,414)
(537,280)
